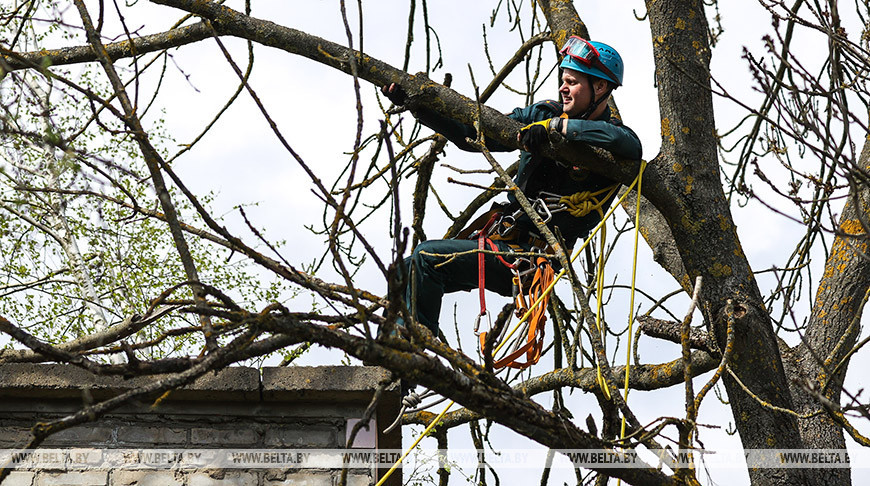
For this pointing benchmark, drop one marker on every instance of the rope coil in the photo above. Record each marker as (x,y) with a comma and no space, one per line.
(582,203)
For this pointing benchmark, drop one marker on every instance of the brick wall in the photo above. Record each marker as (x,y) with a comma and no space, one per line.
(292,408)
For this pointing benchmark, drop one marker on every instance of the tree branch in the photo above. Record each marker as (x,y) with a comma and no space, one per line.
(116,50)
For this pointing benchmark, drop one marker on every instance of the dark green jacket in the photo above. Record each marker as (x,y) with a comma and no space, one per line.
(537,173)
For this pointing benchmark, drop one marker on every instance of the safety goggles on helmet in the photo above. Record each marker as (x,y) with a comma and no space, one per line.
(582,51)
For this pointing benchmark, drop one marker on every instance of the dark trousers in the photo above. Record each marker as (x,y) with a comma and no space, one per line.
(460,273)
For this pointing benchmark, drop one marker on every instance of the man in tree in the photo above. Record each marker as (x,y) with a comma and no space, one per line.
(577,198)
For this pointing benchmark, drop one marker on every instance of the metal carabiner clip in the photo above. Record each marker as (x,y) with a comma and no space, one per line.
(477,322)
(553,202)
(505,225)
(543,211)
(549,197)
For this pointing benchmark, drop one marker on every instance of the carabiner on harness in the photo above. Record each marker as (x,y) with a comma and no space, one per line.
(543,211)
(523,266)
(553,202)
(505,225)
(540,206)
(477,322)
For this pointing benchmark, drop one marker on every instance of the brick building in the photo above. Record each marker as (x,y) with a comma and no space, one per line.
(275,413)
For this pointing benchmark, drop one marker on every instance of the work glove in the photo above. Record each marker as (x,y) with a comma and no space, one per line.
(395,93)
(535,136)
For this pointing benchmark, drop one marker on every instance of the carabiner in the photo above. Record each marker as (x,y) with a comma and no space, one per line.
(543,211)
(553,202)
(505,225)
(477,322)
(549,196)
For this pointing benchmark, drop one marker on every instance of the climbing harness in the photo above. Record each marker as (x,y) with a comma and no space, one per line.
(497,228)
(540,299)
(500,226)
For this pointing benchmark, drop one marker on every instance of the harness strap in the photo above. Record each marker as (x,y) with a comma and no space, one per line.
(479,222)
(482,241)
(481,272)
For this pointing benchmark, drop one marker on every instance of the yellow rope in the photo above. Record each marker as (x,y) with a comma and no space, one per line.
(537,302)
(631,300)
(579,205)
(582,203)
(599,297)
(424,434)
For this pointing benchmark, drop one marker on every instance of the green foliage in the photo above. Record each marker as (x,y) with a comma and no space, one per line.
(76,255)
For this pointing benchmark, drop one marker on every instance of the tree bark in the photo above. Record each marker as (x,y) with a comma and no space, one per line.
(699,217)
(819,363)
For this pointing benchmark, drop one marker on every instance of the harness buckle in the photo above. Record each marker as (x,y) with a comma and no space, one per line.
(519,261)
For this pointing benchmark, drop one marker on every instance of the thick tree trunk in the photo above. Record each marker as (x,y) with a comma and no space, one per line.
(821,360)
(700,220)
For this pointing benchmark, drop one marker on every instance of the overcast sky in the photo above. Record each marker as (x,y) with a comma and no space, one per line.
(313,105)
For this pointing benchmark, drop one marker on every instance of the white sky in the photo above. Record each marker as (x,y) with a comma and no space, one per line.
(313,105)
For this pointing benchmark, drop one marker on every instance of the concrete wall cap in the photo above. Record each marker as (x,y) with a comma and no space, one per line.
(321,382)
(67,381)
(233,383)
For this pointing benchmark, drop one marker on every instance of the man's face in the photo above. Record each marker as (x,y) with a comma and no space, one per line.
(576,92)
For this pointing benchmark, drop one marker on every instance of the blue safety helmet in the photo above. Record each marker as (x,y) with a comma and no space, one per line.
(593,58)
